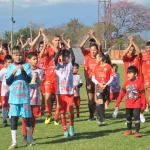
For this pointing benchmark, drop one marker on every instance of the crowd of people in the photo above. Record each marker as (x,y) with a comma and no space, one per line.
(35,74)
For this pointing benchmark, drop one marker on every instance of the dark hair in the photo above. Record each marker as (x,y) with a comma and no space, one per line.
(65,52)
(108,60)
(41,42)
(62,44)
(114,65)
(132,69)
(76,65)
(102,56)
(7,57)
(148,43)
(5,46)
(92,40)
(95,45)
(17,49)
(32,54)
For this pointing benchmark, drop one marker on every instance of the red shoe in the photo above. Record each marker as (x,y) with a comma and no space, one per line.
(137,134)
(128,132)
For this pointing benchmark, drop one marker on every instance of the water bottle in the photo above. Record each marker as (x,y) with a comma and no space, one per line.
(115,113)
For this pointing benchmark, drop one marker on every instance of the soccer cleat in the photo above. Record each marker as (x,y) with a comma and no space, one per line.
(78,116)
(13,146)
(98,122)
(102,123)
(56,123)
(128,132)
(147,110)
(66,134)
(71,130)
(137,134)
(142,118)
(90,119)
(32,144)
(5,123)
(48,120)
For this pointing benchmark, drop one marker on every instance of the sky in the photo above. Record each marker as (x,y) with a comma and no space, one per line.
(50,13)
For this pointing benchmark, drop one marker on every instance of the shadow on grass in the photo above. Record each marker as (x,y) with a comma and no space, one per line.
(84,135)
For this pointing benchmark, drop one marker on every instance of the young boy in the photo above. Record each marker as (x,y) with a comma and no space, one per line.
(34,91)
(18,78)
(65,89)
(77,83)
(115,84)
(135,101)
(5,88)
(146,70)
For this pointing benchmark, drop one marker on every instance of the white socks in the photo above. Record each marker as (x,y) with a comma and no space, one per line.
(4,113)
(29,135)
(14,137)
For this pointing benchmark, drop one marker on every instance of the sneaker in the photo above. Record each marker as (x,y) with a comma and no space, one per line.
(71,130)
(142,118)
(90,119)
(56,123)
(102,123)
(98,122)
(13,146)
(147,110)
(66,134)
(24,139)
(128,132)
(48,120)
(32,144)
(137,134)
(78,116)
(5,123)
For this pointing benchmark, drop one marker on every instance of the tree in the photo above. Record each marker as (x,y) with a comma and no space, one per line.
(129,17)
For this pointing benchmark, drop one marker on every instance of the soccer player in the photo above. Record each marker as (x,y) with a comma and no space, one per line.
(89,65)
(146,70)
(65,89)
(5,88)
(102,76)
(18,78)
(115,84)
(36,81)
(77,83)
(50,78)
(135,101)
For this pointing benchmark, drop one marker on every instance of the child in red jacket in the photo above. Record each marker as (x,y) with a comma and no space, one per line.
(135,100)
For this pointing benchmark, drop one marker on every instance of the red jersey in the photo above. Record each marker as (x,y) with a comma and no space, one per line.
(102,73)
(50,70)
(89,65)
(132,61)
(135,95)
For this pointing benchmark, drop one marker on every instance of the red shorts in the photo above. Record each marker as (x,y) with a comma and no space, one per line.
(36,110)
(42,88)
(50,87)
(66,103)
(114,95)
(4,101)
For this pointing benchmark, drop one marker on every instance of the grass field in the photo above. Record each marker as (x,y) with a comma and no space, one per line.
(88,135)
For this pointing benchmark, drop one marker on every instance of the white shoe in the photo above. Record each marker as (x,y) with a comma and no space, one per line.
(147,110)
(13,146)
(142,118)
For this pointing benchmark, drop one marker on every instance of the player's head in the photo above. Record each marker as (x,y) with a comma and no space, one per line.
(75,68)
(8,60)
(56,40)
(93,50)
(92,41)
(17,54)
(132,50)
(115,67)
(63,45)
(65,56)
(4,48)
(147,47)
(132,72)
(100,58)
(41,45)
(32,58)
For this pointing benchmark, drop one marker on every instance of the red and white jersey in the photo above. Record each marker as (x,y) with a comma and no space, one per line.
(4,86)
(35,88)
(76,81)
(64,73)
(115,84)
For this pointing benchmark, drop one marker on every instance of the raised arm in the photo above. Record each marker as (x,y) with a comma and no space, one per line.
(26,44)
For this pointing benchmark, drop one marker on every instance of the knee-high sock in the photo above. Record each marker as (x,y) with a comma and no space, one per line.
(4,113)
(24,130)
(91,110)
(71,119)
(102,112)
(33,123)
(29,134)
(49,109)
(98,112)
(56,114)
(14,136)
(64,124)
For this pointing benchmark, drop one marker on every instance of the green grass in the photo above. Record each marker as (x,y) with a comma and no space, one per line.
(88,135)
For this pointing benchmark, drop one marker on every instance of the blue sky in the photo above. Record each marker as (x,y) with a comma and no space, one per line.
(50,13)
